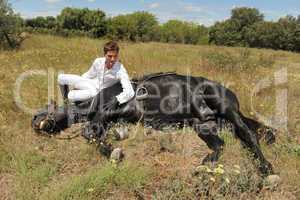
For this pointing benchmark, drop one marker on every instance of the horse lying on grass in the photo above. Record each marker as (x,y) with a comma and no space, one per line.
(164,99)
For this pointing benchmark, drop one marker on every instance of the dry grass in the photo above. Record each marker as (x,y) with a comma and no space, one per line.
(157,166)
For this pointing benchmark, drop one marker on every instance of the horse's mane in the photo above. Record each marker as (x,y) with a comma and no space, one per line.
(150,76)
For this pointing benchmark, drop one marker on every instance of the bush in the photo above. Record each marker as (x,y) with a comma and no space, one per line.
(11,26)
(138,26)
(41,22)
(231,32)
(58,31)
(84,20)
(242,61)
(264,35)
(175,31)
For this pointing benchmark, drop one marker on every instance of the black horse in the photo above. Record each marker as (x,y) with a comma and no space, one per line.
(165,99)
(169,98)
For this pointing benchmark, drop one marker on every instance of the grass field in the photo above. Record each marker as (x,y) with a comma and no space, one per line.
(159,165)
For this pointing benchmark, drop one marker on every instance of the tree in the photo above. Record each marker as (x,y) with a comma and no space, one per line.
(176,31)
(146,26)
(48,22)
(231,32)
(138,26)
(70,18)
(10,27)
(173,31)
(265,35)
(297,37)
(91,21)
(246,16)
(226,33)
(290,26)
(121,28)
(94,22)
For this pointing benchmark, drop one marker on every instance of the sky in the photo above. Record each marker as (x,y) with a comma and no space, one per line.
(205,12)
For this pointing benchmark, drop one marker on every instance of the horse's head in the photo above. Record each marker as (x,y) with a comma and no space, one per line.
(42,123)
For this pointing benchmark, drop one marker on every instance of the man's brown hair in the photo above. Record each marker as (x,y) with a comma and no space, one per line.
(111,46)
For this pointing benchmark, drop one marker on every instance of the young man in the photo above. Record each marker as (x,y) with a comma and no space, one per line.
(104,72)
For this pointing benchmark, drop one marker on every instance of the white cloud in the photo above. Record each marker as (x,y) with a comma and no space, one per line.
(191,8)
(206,20)
(193,12)
(153,5)
(41,13)
(92,1)
(52,1)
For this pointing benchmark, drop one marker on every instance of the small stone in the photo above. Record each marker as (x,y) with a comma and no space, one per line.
(272,181)
(236,171)
(121,133)
(117,155)
(148,132)
(237,167)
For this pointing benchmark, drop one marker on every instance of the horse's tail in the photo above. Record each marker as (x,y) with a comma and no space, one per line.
(263,132)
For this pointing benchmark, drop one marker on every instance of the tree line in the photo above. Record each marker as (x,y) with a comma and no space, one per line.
(246,27)
(138,26)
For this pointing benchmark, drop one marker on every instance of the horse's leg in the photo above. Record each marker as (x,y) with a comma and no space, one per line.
(248,137)
(263,132)
(208,133)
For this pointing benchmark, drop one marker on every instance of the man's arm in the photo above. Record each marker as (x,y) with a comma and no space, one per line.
(128,91)
(92,72)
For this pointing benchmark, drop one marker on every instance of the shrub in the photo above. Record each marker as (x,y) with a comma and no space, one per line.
(10,27)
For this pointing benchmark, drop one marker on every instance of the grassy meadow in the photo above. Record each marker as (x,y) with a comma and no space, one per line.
(157,165)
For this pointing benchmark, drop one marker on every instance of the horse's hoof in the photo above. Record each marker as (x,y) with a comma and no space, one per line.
(105,149)
(270,137)
(266,169)
(211,157)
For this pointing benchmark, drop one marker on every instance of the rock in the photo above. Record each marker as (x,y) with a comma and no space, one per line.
(121,133)
(166,143)
(272,181)
(117,155)
(148,132)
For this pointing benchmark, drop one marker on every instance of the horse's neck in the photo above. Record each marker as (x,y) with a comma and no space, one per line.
(151,76)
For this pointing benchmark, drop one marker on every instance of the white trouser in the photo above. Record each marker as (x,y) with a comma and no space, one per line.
(84,88)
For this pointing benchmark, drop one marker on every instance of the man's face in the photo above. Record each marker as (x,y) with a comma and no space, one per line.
(110,59)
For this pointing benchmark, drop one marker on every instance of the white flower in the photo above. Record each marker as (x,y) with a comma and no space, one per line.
(91,190)
(227,180)
(219,170)
(220,166)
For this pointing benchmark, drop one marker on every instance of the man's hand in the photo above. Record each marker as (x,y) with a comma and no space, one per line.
(111,105)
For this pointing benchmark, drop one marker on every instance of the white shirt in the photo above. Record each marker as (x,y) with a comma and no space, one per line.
(104,78)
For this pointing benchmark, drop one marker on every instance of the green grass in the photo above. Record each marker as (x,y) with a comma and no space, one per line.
(97,182)
(158,165)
